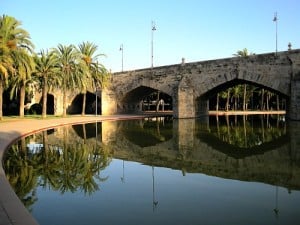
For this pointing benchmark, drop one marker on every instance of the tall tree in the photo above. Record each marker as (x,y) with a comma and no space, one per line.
(12,38)
(90,71)
(243,53)
(46,72)
(69,71)
(236,91)
(24,65)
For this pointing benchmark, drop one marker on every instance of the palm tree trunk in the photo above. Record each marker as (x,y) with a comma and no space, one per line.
(227,101)
(1,99)
(22,100)
(262,99)
(83,104)
(268,97)
(157,102)
(244,97)
(217,105)
(44,110)
(235,103)
(64,100)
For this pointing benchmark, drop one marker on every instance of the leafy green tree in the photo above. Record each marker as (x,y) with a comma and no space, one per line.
(243,53)
(12,39)
(236,92)
(24,65)
(46,72)
(226,95)
(69,69)
(91,73)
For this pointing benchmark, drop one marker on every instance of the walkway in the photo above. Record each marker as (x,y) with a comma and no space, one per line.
(12,211)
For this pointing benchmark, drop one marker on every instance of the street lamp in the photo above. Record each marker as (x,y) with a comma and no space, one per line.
(153,28)
(276,21)
(122,49)
(96,87)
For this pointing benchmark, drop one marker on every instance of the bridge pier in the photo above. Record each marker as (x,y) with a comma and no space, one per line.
(184,104)
(108,102)
(294,108)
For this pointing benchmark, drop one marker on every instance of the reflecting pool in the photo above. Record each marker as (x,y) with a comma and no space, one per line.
(217,170)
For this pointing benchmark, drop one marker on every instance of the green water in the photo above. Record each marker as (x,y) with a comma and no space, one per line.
(217,170)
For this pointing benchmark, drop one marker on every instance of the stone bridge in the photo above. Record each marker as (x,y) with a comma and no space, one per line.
(190,84)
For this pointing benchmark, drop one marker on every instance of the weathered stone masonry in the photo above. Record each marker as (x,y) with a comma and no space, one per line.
(190,84)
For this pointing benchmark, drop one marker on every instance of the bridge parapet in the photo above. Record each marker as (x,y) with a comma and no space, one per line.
(190,84)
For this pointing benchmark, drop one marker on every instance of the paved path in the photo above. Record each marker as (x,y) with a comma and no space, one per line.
(12,211)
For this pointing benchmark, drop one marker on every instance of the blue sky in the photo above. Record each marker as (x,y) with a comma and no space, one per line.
(194,29)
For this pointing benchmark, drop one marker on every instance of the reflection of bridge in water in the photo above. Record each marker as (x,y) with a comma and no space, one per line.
(185,151)
(276,162)
(188,146)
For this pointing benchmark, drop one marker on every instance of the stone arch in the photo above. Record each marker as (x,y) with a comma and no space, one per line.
(50,104)
(202,101)
(132,101)
(76,104)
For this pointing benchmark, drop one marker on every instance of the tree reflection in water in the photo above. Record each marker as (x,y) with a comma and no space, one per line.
(66,165)
(69,159)
(247,132)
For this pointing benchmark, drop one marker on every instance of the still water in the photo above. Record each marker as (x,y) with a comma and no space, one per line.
(218,170)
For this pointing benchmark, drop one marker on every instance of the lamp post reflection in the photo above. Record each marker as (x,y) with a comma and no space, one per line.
(276,210)
(154,202)
(123,175)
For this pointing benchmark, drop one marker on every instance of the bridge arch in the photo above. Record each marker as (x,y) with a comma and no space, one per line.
(189,84)
(134,100)
(75,106)
(208,99)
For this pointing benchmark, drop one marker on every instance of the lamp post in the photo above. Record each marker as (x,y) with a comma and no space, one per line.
(96,98)
(276,21)
(153,28)
(122,50)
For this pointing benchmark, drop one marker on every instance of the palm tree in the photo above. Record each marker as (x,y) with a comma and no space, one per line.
(12,38)
(24,65)
(236,91)
(46,70)
(69,71)
(245,98)
(243,53)
(89,57)
(226,94)
(100,76)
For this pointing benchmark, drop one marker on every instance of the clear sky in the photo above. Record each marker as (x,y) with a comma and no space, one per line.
(194,29)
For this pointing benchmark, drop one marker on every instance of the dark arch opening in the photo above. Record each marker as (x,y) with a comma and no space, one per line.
(145,99)
(230,96)
(90,108)
(50,104)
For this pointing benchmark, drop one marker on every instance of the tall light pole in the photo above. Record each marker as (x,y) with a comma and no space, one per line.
(96,87)
(276,21)
(153,28)
(122,50)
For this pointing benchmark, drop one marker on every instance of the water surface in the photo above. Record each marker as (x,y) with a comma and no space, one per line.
(235,170)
